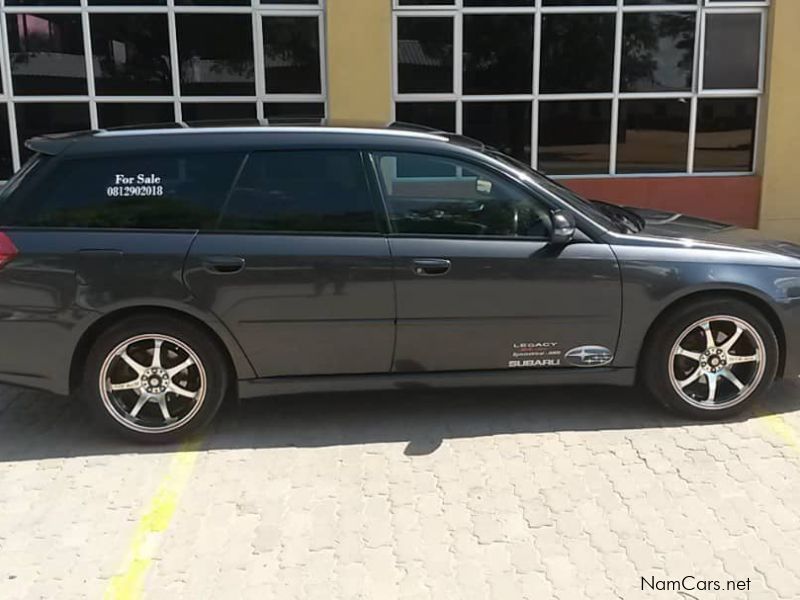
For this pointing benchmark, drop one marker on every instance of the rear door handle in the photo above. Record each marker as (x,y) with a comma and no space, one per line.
(223,265)
(430,266)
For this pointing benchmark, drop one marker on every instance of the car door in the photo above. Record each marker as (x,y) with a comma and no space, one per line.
(479,285)
(298,268)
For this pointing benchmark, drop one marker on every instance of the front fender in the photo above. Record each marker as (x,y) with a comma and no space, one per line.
(649,288)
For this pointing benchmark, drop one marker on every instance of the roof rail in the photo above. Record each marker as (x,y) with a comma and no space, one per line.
(406,126)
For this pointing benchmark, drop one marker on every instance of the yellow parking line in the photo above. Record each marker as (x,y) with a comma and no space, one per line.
(783,429)
(128,584)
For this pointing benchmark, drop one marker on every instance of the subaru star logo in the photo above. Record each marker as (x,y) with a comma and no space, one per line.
(589,356)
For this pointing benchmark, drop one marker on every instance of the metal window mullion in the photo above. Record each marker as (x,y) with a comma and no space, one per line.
(395,63)
(8,91)
(458,69)
(536,83)
(578,96)
(735,4)
(692,135)
(442,97)
(698,60)
(760,111)
(319,6)
(701,53)
(748,93)
(259,61)
(172,26)
(646,8)
(762,50)
(578,10)
(89,62)
(760,126)
(615,89)
(492,10)
(323,60)
(498,97)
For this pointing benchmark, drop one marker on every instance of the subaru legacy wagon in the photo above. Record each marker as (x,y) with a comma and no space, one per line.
(155,272)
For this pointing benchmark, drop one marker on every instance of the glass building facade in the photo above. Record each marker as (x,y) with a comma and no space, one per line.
(577,88)
(589,87)
(83,64)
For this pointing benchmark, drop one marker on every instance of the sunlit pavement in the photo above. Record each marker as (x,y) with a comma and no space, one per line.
(542,493)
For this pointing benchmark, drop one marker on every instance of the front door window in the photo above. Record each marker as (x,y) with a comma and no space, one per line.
(433,195)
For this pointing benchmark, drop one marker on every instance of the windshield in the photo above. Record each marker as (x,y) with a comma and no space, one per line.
(564,193)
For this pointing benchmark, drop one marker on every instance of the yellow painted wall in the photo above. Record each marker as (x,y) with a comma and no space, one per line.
(359,34)
(780,197)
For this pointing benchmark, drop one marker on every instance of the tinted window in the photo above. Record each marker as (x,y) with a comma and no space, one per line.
(439,115)
(657,52)
(302,191)
(425,54)
(131,54)
(437,195)
(129,114)
(733,43)
(38,118)
(223,112)
(726,131)
(8,190)
(139,192)
(578,2)
(503,125)
(213,64)
(294,112)
(291,55)
(498,54)
(577,53)
(46,53)
(653,136)
(6,167)
(574,136)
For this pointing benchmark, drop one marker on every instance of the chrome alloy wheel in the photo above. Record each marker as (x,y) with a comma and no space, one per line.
(152,383)
(717,362)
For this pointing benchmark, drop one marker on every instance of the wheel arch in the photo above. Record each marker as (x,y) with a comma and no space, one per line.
(233,357)
(750,298)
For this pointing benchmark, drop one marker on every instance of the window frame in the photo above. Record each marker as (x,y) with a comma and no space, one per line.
(374,154)
(701,9)
(254,8)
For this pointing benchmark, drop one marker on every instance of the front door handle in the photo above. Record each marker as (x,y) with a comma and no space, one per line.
(430,266)
(224,265)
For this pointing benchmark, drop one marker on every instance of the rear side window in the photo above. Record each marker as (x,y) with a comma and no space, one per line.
(137,192)
(302,191)
(7,192)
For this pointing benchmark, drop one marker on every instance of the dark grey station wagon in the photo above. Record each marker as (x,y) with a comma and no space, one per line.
(155,272)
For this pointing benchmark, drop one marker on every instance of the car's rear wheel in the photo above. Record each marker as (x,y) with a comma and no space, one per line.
(712,358)
(154,379)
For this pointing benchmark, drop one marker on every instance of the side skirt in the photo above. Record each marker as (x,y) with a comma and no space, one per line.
(254,388)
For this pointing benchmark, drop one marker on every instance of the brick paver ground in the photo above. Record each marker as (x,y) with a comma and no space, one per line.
(527,493)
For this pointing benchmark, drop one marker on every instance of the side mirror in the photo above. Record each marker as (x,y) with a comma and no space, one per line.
(563,227)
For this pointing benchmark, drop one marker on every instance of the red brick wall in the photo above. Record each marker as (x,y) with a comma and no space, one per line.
(733,200)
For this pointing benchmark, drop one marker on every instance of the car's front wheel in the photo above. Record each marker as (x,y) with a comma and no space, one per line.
(711,359)
(154,379)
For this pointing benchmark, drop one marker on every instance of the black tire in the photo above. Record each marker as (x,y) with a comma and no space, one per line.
(209,374)
(658,361)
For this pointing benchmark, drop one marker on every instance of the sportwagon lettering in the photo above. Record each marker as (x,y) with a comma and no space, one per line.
(152,273)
